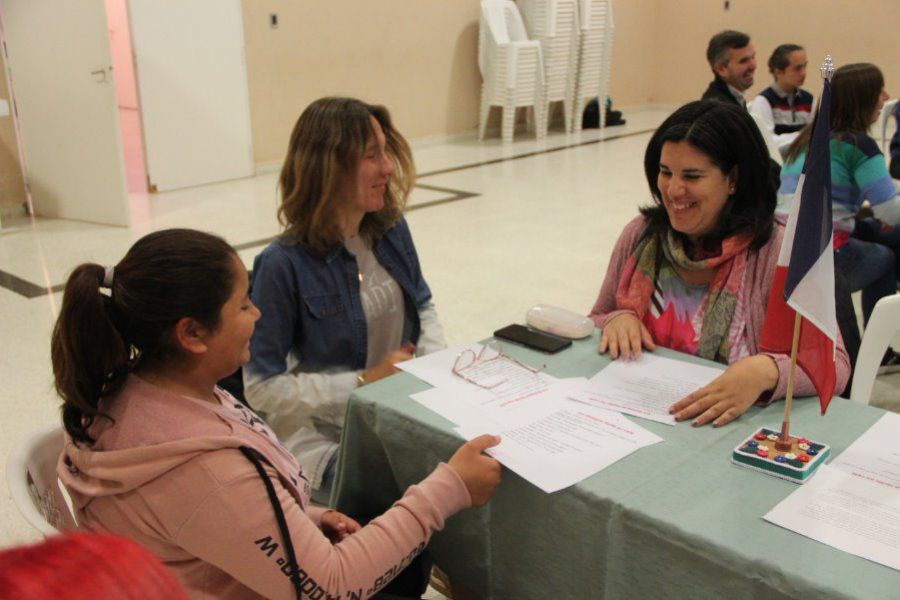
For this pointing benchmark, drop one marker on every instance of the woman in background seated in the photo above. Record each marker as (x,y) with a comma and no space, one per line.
(866,239)
(341,292)
(693,272)
(157,453)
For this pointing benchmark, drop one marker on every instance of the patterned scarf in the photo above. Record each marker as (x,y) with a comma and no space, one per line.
(639,278)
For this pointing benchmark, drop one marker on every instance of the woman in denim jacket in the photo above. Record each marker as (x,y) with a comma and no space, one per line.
(341,291)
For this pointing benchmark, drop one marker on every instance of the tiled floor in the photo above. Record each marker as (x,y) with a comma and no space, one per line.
(499,228)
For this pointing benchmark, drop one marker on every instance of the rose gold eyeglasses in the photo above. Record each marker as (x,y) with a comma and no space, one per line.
(467,360)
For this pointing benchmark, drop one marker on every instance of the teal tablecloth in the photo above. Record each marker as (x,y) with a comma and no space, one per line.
(675,520)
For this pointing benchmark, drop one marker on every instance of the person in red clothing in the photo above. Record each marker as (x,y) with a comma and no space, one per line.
(159,454)
(85,566)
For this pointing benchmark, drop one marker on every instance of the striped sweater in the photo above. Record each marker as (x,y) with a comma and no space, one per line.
(858,173)
(790,112)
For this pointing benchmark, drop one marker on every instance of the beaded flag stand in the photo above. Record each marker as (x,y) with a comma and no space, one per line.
(797,464)
(779,453)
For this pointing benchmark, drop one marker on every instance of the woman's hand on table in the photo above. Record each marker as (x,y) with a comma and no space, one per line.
(730,394)
(336,526)
(479,472)
(624,336)
(386,366)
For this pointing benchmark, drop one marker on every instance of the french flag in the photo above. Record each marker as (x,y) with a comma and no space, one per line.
(804,278)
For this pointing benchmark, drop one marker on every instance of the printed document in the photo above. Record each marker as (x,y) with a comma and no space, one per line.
(853,504)
(875,456)
(470,405)
(564,446)
(547,438)
(503,376)
(646,387)
(845,511)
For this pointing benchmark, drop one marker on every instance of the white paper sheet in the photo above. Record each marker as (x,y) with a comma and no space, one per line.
(437,369)
(470,405)
(547,439)
(846,511)
(447,404)
(875,456)
(564,446)
(646,387)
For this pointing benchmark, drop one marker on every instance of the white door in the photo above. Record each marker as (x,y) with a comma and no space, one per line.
(60,68)
(192,88)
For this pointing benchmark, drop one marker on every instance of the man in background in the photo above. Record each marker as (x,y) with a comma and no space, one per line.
(732,59)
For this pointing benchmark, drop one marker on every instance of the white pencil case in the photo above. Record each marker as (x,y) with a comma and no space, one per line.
(559,321)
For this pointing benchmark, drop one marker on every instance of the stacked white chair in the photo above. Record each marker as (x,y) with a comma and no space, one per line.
(594,57)
(554,23)
(511,66)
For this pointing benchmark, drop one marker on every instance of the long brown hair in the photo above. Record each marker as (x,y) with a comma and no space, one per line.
(323,155)
(101,337)
(855,90)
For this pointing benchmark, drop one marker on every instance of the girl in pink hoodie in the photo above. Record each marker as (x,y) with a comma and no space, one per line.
(158,453)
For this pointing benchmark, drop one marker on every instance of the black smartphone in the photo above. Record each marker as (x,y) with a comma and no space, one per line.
(533,339)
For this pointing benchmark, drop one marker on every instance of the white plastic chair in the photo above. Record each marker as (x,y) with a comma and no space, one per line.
(881,328)
(886,113)
(594,58)
(554,23)
(34,486)
(511,66)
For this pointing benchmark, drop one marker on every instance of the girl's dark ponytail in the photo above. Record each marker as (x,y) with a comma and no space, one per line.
(90,357)
(112,323)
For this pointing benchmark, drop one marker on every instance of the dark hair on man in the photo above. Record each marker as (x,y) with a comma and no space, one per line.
(855,90)
(99,338)
(721,43)
(730,138)
(780,57)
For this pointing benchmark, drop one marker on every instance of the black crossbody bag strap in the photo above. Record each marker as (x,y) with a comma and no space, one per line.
(257,460)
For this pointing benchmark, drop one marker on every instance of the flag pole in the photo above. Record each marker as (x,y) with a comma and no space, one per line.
(784,443)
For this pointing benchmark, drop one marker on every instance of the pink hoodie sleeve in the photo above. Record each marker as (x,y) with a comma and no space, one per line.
(605,309)
(234,528)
